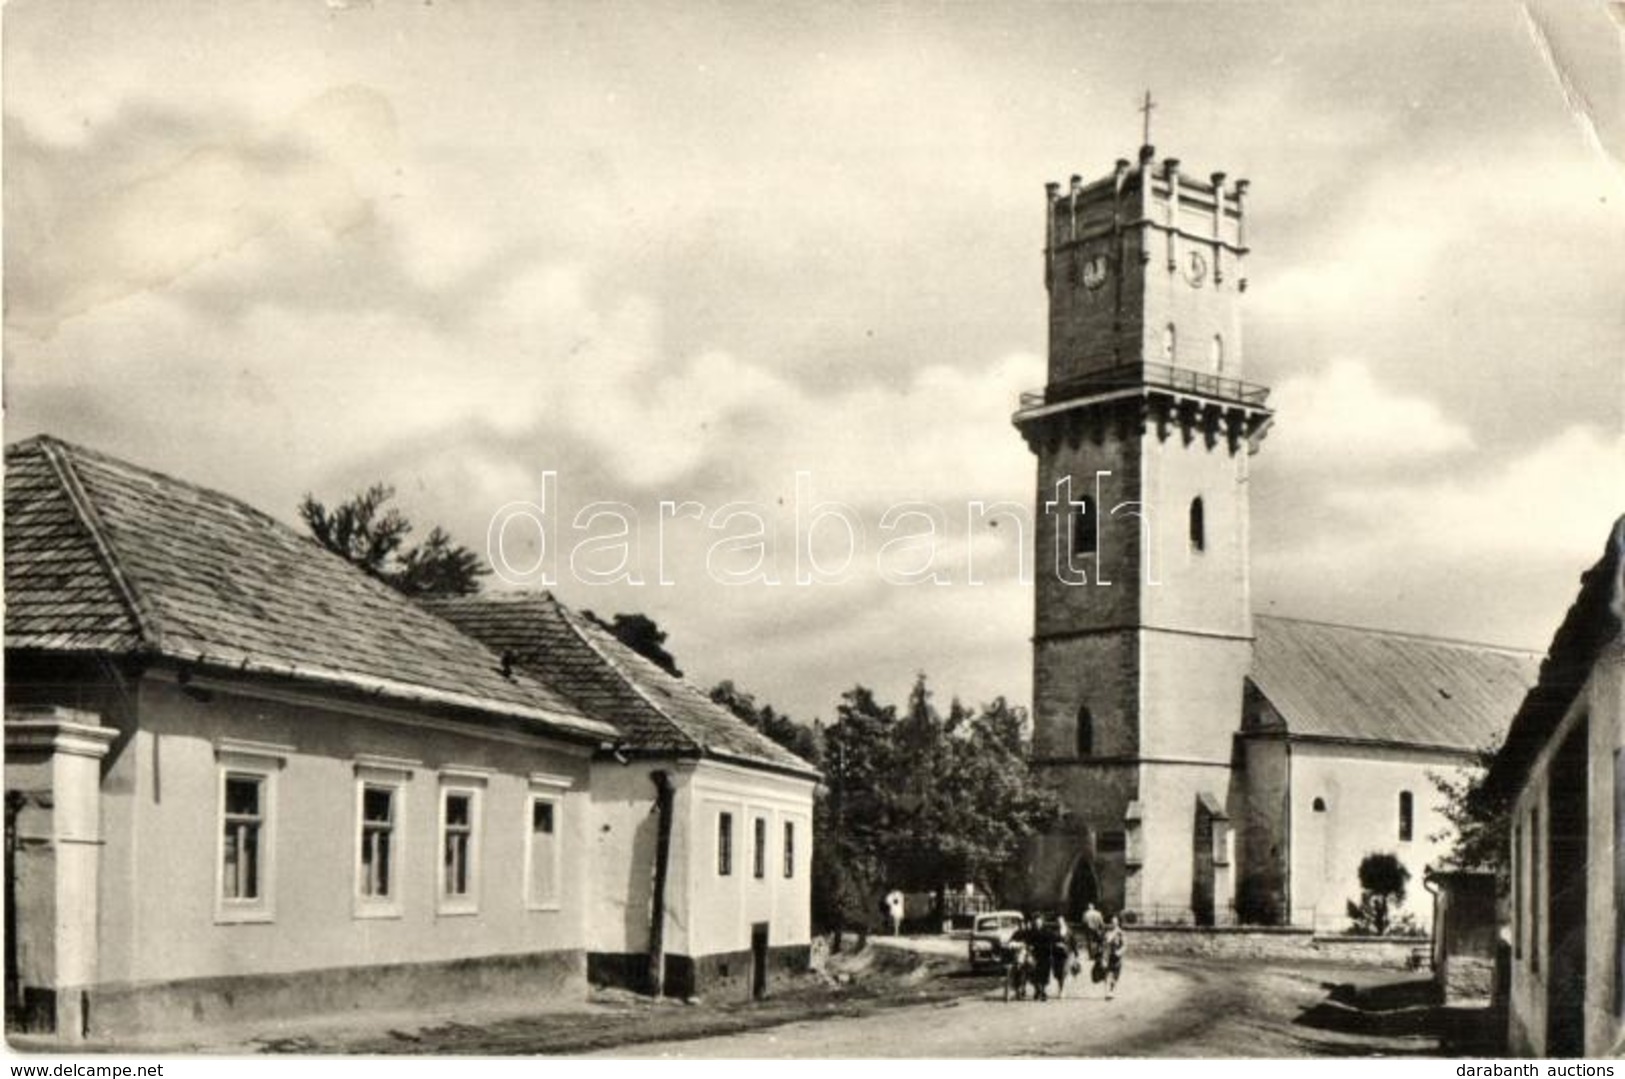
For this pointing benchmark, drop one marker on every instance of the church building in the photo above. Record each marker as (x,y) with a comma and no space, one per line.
(1216,766)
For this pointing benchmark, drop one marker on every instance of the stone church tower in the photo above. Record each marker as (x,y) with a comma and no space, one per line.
(1143,629)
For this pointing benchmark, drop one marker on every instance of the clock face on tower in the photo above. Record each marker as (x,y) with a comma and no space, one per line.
(1095,270)
(1196,269)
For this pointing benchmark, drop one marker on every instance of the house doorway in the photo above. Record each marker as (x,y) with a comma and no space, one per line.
(758,960)
(1567,842)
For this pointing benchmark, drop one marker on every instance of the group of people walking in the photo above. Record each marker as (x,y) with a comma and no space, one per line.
(1047,948)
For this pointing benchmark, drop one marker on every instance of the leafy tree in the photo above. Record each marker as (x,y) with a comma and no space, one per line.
(642,635)
(1383,879)
(920,801)
(372,536)
(1479,820)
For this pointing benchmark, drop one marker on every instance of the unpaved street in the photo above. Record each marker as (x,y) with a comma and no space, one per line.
(1166,1007)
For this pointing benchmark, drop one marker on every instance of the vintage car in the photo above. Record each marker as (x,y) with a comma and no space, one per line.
(990,935)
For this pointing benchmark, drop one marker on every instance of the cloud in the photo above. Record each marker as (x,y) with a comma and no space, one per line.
(85,231)
(1339,417)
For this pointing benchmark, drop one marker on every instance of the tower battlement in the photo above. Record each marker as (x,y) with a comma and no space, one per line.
(1145,265)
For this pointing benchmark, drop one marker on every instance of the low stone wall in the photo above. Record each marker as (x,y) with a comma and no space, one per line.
(1268,942)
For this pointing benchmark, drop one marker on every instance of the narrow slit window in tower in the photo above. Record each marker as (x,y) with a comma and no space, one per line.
(1218,354)
(1198,525)
(1169,343)
(1086,732)
(1406,817)
(1084,540)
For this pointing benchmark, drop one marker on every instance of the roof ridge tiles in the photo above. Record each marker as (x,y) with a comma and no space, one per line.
(149,628)
(569,618)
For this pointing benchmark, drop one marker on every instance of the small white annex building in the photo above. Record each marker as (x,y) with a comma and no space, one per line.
(244,779)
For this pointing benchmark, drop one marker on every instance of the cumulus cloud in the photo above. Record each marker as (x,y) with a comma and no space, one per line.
(84,230)
(1339,416)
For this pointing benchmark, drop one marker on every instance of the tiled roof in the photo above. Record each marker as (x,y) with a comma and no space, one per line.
(1596,620)
(1370,685)
(104,556)
(655,711)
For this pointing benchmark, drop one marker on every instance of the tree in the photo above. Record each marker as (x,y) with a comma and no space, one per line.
(1479,820)
(642,635)
(920,801)
(371,536)
(1383,878)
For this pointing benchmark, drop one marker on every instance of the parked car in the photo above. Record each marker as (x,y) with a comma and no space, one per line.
(990,936)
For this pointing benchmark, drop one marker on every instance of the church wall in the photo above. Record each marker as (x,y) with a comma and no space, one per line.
(1168,801)
(1258,808)
(1360,787)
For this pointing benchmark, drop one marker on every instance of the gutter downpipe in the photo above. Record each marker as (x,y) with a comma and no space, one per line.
(664,793)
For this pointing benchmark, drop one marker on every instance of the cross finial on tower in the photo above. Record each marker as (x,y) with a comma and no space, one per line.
(1146,109)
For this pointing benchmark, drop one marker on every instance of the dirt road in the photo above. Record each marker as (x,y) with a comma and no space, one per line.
(1165,1008)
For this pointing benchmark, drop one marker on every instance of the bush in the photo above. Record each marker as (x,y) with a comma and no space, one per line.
(1383,878)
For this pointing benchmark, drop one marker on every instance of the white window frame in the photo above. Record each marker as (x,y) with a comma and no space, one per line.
(548,790)
(470,785)
(395,776)
(262,762)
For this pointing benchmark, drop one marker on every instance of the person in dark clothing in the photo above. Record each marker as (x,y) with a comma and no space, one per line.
(1112,948)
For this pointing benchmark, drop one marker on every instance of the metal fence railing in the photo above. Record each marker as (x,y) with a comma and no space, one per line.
(1165,376)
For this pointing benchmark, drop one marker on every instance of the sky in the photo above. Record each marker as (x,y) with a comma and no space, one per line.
(570,253)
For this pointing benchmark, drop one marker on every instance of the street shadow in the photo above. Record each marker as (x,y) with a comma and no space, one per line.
(1403,1015)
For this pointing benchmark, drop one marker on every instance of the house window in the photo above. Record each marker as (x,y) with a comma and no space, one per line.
(1198,525)
(1084,538)
(459,850)
(789,849)
(1319,805)
(542,852)
(725,844)
(380,811)
(1406,816)
(378,841)
(245,823)
(241,849)
(759,849)
(1086,732)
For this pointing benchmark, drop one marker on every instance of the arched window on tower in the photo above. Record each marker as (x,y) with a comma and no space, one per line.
(1218,354)
(1319,806)
(1084,523)
(1086,732)
(1407,820)
(1169,343)
(1198,525)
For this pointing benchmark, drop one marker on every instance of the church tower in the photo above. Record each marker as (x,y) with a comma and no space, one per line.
(1143,629)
